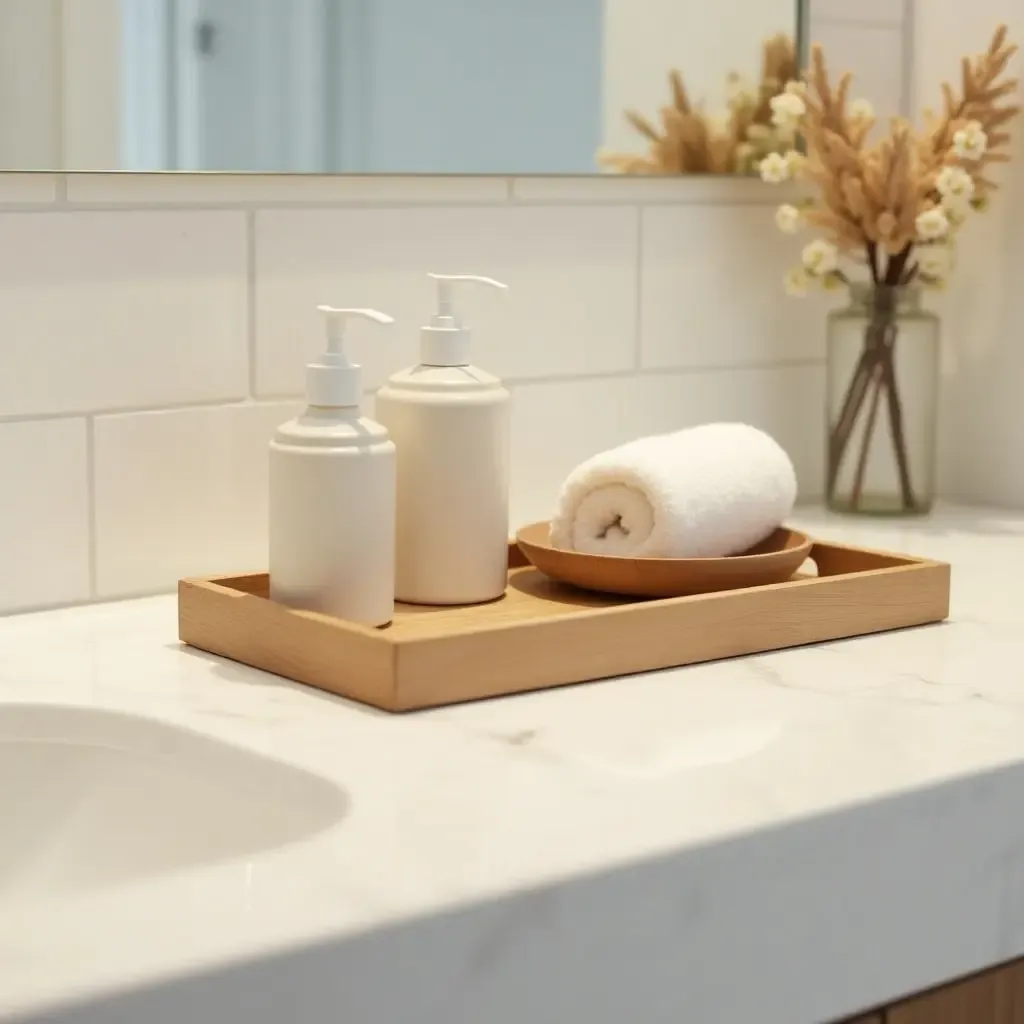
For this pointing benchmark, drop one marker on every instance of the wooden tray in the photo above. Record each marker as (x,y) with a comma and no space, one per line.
(545,634)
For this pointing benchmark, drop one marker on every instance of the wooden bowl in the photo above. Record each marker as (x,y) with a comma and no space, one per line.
(774,560)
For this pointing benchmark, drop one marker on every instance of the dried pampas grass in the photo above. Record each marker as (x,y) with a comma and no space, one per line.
(691,141)
(886,202)
(893,206)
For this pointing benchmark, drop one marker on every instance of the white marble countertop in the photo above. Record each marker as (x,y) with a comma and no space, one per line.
(785,838)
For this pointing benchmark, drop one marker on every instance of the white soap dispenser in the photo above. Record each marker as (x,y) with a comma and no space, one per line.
(450,423)
(332,494)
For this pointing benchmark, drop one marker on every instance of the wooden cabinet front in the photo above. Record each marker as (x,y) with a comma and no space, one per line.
(992,997)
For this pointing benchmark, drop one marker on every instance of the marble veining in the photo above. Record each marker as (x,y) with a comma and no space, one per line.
(784,838)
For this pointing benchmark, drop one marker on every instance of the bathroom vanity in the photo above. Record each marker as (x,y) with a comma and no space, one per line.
(792,838)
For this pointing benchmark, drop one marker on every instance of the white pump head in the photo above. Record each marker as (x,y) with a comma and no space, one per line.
(445,342)
(333,380)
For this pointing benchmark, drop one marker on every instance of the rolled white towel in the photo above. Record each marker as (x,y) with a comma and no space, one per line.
(704,492)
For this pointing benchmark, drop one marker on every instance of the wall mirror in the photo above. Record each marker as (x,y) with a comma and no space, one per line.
(392,86)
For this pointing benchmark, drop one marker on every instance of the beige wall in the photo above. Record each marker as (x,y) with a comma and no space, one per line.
(871,40)
(645,39)
(91,45)
(30,83)
(983,313)
(59,83)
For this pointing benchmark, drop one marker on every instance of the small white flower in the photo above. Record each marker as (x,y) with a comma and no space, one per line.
(796,282)
(970,142)
(774,168)
(933,261)
(955,185)
(956,212)
(796,161)
(932,224)
(820,257)
(744,153)
(740,92)
(787,109)
(788,219)
(861,110)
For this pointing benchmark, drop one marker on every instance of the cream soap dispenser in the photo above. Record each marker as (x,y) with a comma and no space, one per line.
(332,494)
(450,423)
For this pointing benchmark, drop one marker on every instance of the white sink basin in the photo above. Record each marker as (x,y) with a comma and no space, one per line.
(90,799)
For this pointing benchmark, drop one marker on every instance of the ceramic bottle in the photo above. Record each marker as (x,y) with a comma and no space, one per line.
(450,422)
(332,494)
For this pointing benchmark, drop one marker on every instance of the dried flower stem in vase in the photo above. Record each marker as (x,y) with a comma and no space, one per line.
(891,208)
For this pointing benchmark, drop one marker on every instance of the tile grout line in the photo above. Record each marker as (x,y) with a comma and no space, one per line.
(63,205)
(674,191)
(91,512)
(251,401)
(667,371)
(86,602)
(250,298)
(134,410)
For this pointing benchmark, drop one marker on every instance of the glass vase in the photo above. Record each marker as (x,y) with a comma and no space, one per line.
(882,402)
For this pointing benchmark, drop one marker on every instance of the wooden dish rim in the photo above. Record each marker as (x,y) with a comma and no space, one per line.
(806,544)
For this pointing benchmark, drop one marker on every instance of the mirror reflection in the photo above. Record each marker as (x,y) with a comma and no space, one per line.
(392,86)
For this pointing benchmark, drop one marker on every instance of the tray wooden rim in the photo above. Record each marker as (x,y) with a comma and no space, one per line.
(218,584)
(216,616)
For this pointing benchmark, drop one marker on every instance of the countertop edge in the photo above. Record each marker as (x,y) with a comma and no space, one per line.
(863,875)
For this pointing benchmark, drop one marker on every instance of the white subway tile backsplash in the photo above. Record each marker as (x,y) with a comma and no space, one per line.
(181,492)
(571,307)
(558,424)
(711,290)
(637,305)
(44,514)
(119,310)
(285,189)
(28,188)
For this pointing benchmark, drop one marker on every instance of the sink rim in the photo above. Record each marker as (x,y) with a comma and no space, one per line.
(303,805)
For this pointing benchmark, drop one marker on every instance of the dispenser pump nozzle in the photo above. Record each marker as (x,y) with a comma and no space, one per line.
(445,342)
(334,380)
